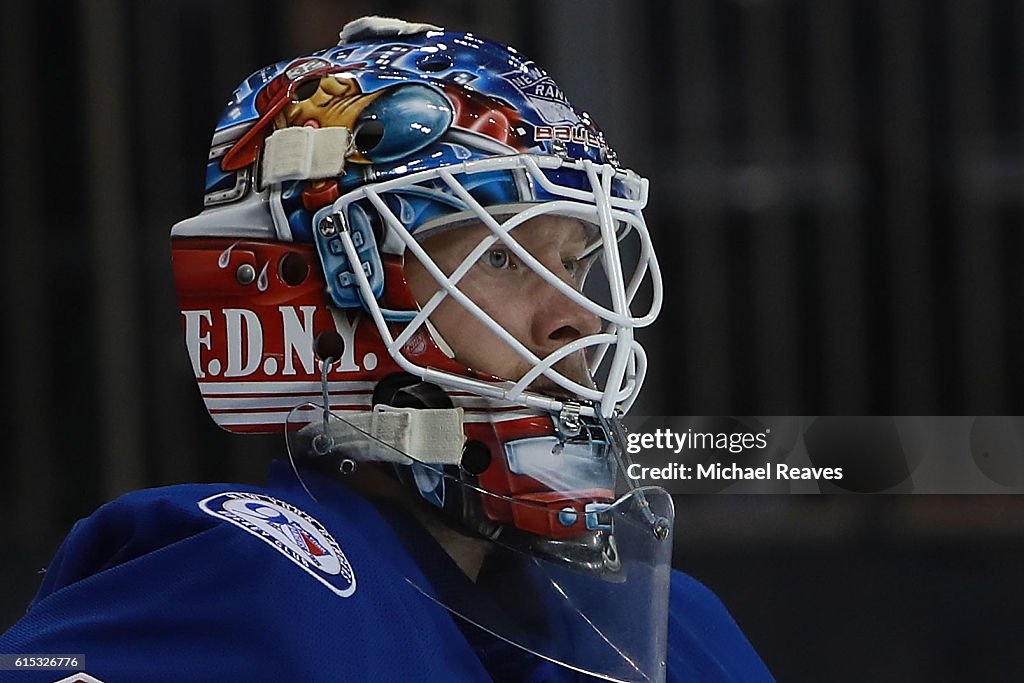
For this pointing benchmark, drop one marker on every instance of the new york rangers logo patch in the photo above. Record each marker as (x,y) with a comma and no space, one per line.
(290,531)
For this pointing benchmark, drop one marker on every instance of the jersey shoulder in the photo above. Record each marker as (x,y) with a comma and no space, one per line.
(126,529)
(704,641)
(200,582)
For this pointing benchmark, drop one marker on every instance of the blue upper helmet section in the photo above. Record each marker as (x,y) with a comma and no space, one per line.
(412,103)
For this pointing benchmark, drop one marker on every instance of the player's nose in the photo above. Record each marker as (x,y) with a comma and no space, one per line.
(558,320)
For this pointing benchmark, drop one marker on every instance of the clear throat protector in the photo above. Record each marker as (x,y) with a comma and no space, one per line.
(588,591)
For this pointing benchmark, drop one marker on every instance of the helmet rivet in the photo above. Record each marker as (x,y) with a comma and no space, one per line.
(661,529)
(245,274)
(559,149)
(322,444)
(328,227)
(612,157)
(569,422)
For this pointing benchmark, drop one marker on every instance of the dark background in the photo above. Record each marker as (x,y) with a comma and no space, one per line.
(837,202)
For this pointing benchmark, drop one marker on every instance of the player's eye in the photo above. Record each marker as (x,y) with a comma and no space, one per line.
(576,268)
(500,259)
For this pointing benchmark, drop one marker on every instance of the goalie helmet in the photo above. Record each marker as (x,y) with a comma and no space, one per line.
(399,132)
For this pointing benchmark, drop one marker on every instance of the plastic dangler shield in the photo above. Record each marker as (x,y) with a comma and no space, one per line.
(595,602)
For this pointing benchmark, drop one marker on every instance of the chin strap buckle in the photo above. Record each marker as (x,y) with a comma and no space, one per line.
(569,422)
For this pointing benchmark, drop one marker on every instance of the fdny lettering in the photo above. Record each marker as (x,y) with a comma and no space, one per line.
(298,338)
(243,328)
(197,338)
(343,324)
(233,342)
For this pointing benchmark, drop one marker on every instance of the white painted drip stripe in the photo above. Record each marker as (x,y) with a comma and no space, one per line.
(254,418)
(279,388)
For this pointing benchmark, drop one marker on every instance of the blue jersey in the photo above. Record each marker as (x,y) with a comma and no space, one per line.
(230,582)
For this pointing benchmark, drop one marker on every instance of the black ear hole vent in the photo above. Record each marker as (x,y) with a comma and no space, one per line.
(328,344)
(368,135)
(305,90)
(476,457)
(386,389)
(402,390)
(293,268)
